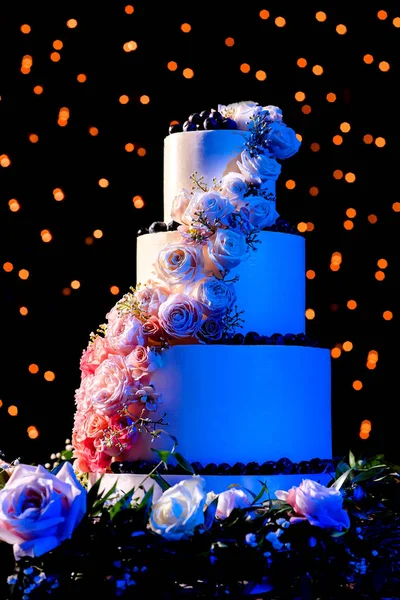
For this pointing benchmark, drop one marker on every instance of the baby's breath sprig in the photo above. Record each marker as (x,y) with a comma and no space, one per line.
(100,332)
(224,273)
(129,304)
(232,320)
(252,239)
(258,128)
(198,182)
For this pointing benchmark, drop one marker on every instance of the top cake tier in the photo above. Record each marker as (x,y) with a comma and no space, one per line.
(209,154)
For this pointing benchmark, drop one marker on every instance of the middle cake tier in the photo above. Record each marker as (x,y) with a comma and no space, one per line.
(271,285)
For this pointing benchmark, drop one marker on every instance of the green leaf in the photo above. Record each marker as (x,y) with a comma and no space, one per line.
(264,490)
(163,455)
(209,513)
(368,474)
(93,493)
(99,503)
(67,454)
(341,468)
(4,477)
(122,504)
(146,503)
(352,460)
(183,462)
(164,485)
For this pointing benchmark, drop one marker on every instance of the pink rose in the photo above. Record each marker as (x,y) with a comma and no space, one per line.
(94,354)
(38,510)
(107,389)
(321,506)
(181,316)
(83,398)
(124,332)
(150,296)
(152,330)
(180,263)
(230,499)
(179,206)
(143,360)
(90,457)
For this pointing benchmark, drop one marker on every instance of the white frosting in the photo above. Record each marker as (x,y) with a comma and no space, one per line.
(242,404)
(210,153)
(214,483)
(271,286)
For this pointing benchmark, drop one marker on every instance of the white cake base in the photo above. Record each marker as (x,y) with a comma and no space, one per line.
(214,483)
(271,288)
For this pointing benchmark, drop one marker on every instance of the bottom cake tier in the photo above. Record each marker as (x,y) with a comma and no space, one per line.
(229,404)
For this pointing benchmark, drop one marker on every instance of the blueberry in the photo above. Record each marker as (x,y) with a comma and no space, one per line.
(228,124)
(269,468)
(215,114)
(238,468)
(252,338)
(195,118)
(200,127)
(157,226)
(175,128)
(197,467)
(238,339)
(204,114)
(188,126)
(224,468)
(210,123)
(277,338)
(143,231)
(286,465)
(289,339)
(252,468)
(211,469)
(172,226)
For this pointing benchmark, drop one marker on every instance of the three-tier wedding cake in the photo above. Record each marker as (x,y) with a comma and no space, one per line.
(208,354)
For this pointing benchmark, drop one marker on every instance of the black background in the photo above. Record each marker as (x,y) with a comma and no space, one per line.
(57,327)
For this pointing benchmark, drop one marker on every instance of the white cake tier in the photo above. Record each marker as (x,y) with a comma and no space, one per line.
(214,483)
(271,287)
(242,404)
(210,153)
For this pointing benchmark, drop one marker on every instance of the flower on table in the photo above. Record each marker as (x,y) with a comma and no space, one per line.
(39,510)
(180,509)
(316,503)
(229,500)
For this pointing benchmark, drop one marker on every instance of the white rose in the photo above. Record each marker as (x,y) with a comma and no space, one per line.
(212,204)
(234,187)
(230,499)
(180,316)
(321,506)
(180,263)
(259,168)
(228,249)
(38,510)
(282,140)
(241,112)
(150,296)
(274,112)
(261,212)
(216,295)
(179,206)
(180,509)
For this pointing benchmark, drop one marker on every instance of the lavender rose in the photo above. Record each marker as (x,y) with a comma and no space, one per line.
(180,316)
(282,140)
(228,249)
(216,294)
(211,329)
(180,263)
(257,169)
(38,510)
(180,510)
(321,506)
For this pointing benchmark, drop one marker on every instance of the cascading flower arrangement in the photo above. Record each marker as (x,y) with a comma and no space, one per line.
(190,298)
(333,542)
